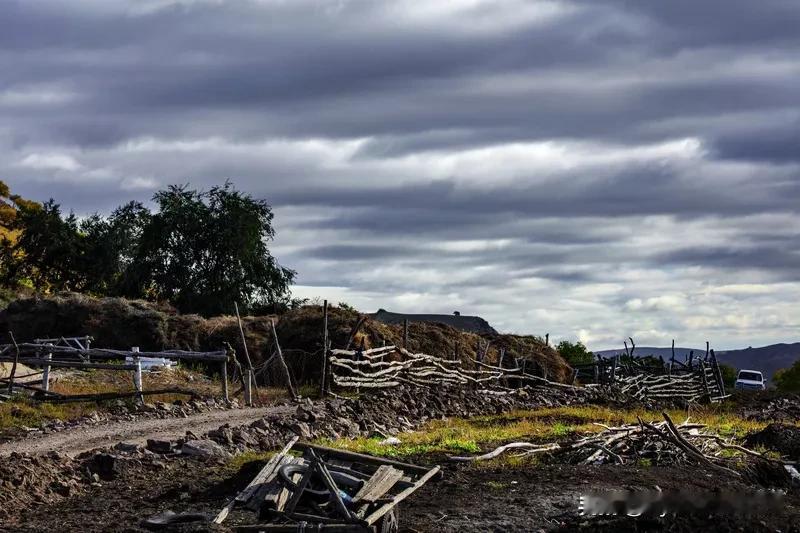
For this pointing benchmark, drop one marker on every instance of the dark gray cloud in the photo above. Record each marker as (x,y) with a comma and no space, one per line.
(588,168)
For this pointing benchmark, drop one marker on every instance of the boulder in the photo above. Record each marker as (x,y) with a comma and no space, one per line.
(203,448)
(159,446)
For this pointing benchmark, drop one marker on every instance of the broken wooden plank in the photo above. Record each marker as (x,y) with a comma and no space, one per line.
(379,484)
(280,499)
(223,514)
(329,453)
(381,511)
(271,484)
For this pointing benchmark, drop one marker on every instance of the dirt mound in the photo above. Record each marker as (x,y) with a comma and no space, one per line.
(781,438)
(120,323)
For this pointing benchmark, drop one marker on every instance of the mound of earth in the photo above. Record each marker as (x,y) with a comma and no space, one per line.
(782,438)
(121,323)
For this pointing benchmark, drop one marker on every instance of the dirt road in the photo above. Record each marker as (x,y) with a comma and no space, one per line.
(85,438)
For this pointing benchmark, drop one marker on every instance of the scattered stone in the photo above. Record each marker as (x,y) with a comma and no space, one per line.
(126,447)
(159,446)
(105,465)
(301,429)
(203,448)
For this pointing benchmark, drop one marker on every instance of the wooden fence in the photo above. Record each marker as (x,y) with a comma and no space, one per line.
(392,366)
(77,353)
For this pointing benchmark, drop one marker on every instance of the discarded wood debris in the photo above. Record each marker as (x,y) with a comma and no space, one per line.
(660,443)
(329,490)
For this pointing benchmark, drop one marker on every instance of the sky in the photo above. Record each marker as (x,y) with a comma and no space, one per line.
(591,169)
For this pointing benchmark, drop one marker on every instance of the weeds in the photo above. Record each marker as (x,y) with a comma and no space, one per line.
(458,436)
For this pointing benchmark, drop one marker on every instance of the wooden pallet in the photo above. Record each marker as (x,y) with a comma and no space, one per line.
(312,498)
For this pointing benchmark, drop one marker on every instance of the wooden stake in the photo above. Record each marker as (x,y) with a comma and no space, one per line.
(323,384)
(244,343)
(405,333)
(283,362)
(14,365)
(137,373)
(46,373)
(225,381)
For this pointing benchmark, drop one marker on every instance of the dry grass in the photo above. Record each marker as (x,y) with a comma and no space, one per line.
(25,412)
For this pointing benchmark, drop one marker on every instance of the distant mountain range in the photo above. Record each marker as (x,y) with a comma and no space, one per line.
(767,359)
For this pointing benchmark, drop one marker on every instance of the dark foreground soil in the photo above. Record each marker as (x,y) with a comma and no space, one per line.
(547,497)
(527,498)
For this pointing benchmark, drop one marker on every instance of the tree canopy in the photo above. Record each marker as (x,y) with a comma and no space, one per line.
(788,379)
(200,250)
(575,353)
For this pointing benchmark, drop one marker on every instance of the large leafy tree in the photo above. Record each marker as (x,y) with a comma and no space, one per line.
(201,251)
(11,207)
(49,252)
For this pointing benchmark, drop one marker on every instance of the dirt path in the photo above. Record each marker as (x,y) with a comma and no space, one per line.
(85,438)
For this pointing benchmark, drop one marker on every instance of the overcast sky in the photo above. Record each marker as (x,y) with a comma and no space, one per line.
(592,169)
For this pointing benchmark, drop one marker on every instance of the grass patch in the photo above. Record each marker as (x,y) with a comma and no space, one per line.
(240,459)
(468,436)
(23,412)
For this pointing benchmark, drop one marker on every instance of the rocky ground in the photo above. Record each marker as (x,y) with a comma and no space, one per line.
(115,488)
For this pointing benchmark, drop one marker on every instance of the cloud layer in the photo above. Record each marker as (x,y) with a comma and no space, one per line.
(592,169)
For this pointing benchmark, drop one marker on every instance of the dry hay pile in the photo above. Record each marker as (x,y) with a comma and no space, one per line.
(121,323)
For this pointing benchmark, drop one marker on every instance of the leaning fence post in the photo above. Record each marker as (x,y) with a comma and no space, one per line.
(137,376)
(717,373)
(46,371)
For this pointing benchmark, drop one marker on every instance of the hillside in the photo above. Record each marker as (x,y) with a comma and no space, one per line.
(768,359)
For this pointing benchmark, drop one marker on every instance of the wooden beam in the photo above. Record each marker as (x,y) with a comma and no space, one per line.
(381,511)
(360,458)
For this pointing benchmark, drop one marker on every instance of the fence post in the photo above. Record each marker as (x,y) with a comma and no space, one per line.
(717,373)
(225,380)
(322,386)
(405,333)
(46,372)
(137,374)
(248,387)
(704,378)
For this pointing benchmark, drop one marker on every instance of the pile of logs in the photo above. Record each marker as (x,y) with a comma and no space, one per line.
(660,443)
(392,366)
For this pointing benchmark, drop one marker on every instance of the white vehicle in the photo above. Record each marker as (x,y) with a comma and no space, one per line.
(749,380)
